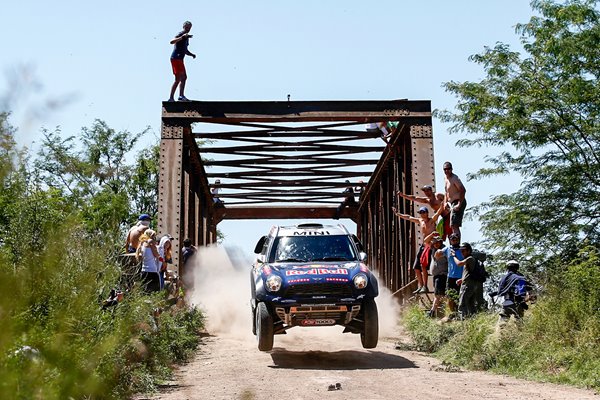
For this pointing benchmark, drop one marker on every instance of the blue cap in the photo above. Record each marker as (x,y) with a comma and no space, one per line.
(423,210)
(144,217)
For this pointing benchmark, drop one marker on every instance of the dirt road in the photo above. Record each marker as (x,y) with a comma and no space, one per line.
(306,361)
(304,364)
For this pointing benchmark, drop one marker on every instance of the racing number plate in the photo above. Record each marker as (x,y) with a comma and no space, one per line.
(317,322)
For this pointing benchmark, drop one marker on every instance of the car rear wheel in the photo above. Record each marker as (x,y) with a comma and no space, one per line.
(370,334)
(264,327)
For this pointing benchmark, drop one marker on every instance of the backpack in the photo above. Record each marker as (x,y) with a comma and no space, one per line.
(479,273)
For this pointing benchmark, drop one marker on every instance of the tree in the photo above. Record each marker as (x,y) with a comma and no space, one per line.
(542,108)
(92,171)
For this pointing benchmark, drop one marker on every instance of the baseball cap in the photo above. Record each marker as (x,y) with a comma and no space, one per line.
(144,217)
(169,236)
(427,187)
(436,239)
(423,210)
(453,236)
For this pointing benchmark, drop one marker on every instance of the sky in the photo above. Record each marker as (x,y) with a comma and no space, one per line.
(66,63)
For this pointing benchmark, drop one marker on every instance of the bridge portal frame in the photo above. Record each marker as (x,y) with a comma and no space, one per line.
(186,207)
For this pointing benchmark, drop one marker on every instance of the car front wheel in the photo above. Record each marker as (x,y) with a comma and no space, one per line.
(264,327)
(370,334)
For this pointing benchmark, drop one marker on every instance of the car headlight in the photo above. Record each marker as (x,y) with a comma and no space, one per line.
(273,283)
(360,281)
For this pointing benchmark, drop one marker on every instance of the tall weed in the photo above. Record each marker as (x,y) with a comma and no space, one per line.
(558,341)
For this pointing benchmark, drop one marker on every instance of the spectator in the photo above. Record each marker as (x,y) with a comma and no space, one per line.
(454,271)
(513,289)
(164,251)
(466,300)
(435,200)
(427,226)
(439,270)
(147,253)
(215,193)
(133,236)
(348,200)
(180,50)
(455,197)
(188,251)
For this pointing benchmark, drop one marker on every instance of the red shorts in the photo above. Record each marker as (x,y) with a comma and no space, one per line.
(178,66)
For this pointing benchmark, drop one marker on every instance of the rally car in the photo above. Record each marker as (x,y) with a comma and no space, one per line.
(312,275)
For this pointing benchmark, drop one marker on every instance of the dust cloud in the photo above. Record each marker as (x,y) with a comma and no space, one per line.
(221,288)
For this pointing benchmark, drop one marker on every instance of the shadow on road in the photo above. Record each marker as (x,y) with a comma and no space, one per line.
(338,360)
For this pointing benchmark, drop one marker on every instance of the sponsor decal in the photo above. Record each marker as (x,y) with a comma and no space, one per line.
(291,281)
(310,233)
(317,322)
(317,271)
(314,266)
(266,270)
(336,280)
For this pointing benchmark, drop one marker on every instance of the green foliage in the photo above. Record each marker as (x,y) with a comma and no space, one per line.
(91,171)
(542,108)
(425,333)
(557,342)
(57,264)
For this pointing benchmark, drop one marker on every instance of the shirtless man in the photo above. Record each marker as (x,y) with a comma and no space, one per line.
(427,225)
(435,200)
(455,197)
(133,236)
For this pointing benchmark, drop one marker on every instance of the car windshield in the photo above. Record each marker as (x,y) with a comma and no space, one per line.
(312,248)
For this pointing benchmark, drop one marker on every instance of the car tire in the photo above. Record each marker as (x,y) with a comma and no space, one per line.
(264,327)
(253,312)
(370,333)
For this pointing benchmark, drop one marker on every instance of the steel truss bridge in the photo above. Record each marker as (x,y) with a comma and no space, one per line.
(292,160)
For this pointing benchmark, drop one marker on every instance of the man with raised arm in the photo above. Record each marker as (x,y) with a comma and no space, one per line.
(435,200)
(427,225)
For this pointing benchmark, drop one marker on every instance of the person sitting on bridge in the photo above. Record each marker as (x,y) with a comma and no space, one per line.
(215,193)
(133,236)
(427,226)
(435,200)
(348,200)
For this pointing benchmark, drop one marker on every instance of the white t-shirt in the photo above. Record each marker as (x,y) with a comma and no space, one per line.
(149,262)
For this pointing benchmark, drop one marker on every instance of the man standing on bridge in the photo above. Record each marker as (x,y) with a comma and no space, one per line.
(455,196)
(181,42)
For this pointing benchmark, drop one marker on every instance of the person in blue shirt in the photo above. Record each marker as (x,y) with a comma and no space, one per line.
(181,42)
(455,272)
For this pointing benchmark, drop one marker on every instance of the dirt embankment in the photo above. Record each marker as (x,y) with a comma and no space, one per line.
(307,361)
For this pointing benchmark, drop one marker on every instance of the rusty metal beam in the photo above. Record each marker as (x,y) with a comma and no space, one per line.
(295,111)
(283,213)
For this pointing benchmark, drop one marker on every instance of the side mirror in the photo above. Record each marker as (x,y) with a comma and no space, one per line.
(259,245)
(362,256)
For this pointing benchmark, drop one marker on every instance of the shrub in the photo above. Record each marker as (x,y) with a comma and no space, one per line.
(557,340)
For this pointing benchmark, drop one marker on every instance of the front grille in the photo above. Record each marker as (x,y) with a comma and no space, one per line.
(319,289)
